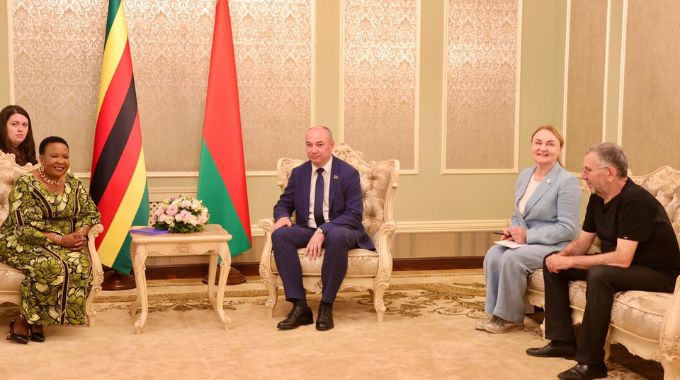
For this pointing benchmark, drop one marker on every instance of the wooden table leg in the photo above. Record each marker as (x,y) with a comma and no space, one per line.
(212,269)
(140,279)
(224,274)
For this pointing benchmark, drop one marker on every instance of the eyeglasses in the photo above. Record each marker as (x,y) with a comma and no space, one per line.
(587,171)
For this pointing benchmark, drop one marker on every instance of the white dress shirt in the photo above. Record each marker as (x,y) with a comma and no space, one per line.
(326,187)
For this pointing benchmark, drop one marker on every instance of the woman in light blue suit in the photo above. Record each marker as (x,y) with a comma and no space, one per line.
(547,200)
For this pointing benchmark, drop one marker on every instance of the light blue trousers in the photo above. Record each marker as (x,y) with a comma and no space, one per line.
(506,272)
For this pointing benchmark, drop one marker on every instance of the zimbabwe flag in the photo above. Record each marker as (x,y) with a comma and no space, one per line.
(118,184)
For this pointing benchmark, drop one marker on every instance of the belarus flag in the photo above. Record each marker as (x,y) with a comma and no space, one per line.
(222,179)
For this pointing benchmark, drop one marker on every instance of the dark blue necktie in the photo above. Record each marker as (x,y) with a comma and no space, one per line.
(318,199)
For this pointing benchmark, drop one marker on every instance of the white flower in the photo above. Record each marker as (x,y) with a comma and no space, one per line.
(180,214)
(191,219)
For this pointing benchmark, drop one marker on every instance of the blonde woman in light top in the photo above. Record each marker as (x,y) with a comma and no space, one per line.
(545,219)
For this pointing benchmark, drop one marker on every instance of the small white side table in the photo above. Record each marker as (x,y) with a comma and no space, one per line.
(211,241)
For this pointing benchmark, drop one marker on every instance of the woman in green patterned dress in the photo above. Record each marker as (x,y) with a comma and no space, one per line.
(44,237)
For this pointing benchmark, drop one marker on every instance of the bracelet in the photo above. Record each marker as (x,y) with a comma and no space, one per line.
(57,238)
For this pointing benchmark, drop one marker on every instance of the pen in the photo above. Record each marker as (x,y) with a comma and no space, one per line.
(499,233)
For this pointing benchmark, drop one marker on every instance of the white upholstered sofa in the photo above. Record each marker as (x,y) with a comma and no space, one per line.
(646,323)
(10,278)
(367,270)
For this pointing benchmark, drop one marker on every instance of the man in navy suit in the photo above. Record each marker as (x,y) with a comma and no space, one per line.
(325,193)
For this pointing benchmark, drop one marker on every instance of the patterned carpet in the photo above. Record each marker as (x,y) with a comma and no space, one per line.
(428,333)
(406,299)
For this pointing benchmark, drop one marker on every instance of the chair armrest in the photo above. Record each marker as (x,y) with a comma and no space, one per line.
(267,225)
(669,341)
(97,272)
(95,261)
(265,263)
(383,246)
(384,236)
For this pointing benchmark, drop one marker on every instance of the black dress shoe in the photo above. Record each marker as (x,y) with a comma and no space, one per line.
(37,336)
(551,350)
(19,338)
(585,371)
(324,321)
(297,317)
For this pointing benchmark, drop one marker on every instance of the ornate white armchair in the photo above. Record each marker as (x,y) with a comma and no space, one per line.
(10,278)
(367,270)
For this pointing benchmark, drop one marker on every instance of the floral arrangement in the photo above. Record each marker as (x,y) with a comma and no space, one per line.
(180,214)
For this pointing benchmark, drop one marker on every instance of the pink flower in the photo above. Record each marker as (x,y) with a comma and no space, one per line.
(172,210)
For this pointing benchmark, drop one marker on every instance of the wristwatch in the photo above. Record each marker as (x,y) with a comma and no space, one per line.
(319,231)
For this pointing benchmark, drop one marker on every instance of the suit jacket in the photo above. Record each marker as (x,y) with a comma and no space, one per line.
(346,206)
(551,213)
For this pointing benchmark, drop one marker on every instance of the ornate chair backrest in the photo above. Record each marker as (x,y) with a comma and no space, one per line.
(664,184)
(9,173)
(378,184)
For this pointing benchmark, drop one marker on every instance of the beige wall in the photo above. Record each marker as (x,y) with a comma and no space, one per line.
(443,222)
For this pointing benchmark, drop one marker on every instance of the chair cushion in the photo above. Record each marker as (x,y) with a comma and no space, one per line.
(361,263)
(638,312)
(10,278)
(641,313)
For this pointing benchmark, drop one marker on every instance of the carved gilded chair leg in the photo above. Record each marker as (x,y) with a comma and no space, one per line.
(379,302)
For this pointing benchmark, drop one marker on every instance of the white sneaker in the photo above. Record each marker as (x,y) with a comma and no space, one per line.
(481,324)
(499,326)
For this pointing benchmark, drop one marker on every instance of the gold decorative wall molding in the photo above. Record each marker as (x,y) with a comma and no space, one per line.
(179,174)
(622,73)
(431,226)
(10,49)
(607,54)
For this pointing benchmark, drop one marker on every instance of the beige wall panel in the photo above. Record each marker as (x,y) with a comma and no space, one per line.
(4,55)
(58,52)
(651,116)
(481,80)
(585,83)
(380,78)
(273,48)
